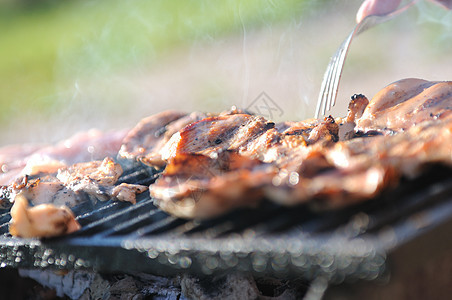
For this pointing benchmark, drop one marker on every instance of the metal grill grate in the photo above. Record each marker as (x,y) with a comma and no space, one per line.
(352,243)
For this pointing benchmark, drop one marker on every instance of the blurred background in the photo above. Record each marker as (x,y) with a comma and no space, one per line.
(66,66)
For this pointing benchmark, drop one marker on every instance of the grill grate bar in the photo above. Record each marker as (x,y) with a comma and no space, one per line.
(161,225)
(129,225)
(117,216)
(94,213)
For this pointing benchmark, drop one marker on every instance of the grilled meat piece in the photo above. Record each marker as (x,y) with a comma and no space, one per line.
(97,178)
(145,136)
(45,190)
(223,162)
(126,192)
(195,185)
(42,160)
(75,184)
(407,103)
(361,168)
(145,142)
(301,162)
(45,220)
(213,135)
(82,147)
(104,172)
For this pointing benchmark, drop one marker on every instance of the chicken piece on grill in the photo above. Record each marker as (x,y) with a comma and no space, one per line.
(361,168)
(195,185)
(303,162)
(223,162)
(45,190)
(98,178)
(407,103)
(126,192)
(145,136)
(246,134)
(146,140)
(75,184)
(44,220)
(104,172)
(82,147)
(41,160)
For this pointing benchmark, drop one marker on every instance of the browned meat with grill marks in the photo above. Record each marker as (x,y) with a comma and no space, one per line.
(213,135)
(143,138)
(147,141)
(249,135)
(308,162)
(223,162)
(361,168)
(195,185)
(213,163)
(154,158)
(407,103)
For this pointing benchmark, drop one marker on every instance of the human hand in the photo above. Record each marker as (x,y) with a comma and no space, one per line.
(383,7)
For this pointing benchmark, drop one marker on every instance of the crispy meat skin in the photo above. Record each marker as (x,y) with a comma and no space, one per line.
(296,162)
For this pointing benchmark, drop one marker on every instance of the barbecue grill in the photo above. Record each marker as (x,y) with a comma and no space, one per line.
(366,243)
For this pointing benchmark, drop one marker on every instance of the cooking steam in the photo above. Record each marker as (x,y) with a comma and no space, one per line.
(111,84)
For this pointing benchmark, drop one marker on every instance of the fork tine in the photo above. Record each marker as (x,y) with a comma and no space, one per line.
(321,99)
(336,68)
(331,78)
(338,72)
(327,90)
(329,85)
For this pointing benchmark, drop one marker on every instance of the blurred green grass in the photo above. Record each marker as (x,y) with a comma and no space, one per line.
(39,38)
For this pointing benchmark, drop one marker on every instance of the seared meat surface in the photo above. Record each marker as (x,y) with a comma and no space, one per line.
(212,163)
(147,134)
(407,103)
(223,162)
(147,142)
(195,185)
(325,163)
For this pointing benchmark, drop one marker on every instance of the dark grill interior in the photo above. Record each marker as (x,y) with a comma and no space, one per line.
(352,243)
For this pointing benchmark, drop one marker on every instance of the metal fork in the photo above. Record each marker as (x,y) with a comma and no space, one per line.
(332,76)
